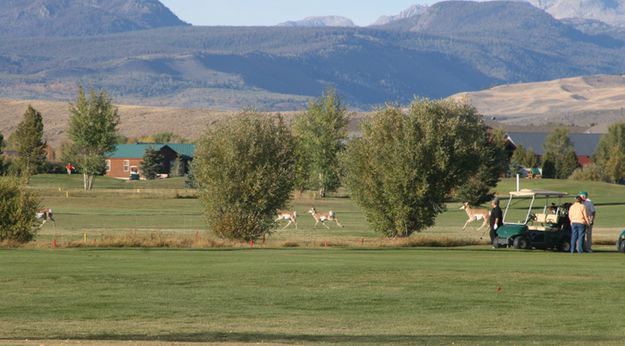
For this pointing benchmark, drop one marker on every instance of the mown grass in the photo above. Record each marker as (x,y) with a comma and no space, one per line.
(117,208)
(306,286)
(313,296)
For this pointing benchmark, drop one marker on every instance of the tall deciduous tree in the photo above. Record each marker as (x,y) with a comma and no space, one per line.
(610,153)
(152,163)
(404,166)
(244,167)
(494,162)
(321,133)
(93,131)
(29,143)
(524,157)
(559,159)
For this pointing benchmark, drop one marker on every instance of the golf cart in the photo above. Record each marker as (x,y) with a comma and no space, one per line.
(530,222)
(620,243)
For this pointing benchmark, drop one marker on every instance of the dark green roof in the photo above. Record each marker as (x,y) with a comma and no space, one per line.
(136,151)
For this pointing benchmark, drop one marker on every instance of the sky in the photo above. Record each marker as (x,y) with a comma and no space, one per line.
(272,12)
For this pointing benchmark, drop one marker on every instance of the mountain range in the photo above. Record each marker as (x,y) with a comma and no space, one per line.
(142,53)
(316,22)
(611,12)
(24,18)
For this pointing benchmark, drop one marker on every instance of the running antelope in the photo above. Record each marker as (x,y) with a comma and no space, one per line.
(45,214)
(285,215)
(323,217)
(475,215)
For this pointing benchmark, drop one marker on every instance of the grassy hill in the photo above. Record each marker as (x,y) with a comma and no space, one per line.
(136,121)
(594,101)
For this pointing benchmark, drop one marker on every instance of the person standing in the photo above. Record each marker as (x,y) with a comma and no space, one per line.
(579,221)
(495,219)
(590,210)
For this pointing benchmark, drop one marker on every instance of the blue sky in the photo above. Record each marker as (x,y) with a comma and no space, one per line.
(271,12)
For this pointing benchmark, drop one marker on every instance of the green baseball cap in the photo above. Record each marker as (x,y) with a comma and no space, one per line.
(583,193)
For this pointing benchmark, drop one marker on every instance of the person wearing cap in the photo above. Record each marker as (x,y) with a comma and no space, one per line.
(495,219)
(579,221)
(591,212)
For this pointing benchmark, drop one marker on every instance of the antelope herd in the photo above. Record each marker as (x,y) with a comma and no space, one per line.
(474,214)
(291,217)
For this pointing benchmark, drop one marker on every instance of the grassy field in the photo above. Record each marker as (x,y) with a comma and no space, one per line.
(360,289)
(309,296)
(118,208)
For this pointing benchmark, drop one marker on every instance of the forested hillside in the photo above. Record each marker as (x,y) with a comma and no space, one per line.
(449,48)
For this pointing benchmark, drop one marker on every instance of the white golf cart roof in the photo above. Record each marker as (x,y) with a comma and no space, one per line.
(537,193)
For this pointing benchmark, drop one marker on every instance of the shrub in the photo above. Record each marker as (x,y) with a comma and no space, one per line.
(404,166)
(244,168)
(591,172)
(18,209)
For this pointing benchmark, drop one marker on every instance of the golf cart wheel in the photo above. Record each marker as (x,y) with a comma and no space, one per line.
(565,246)
(621,246)
(496,243)
(521,243)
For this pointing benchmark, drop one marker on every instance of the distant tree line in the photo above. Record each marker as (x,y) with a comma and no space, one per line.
(401,169)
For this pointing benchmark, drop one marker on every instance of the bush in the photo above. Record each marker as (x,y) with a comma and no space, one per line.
(244,168)
(404,166)
(18,209)
(591,172)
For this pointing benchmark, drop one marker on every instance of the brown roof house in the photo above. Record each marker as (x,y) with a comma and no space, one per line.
(125,161)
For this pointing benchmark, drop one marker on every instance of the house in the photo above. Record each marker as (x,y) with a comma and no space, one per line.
(126,158)
(585,144)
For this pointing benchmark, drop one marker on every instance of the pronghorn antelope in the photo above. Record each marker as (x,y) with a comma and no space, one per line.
(285,215)
(475,215)
(45,214)
(323,217)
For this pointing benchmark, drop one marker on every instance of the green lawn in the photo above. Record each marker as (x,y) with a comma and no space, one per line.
(295,296)
(361,294)
(118,207)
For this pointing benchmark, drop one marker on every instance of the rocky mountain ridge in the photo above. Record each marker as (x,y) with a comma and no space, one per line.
(27,18)
(320,22)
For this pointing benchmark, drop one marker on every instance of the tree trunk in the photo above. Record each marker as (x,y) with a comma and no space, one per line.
(85,179)
(90,182)
(322,188)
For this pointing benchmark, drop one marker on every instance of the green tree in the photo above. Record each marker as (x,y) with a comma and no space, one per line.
(168,137)
(18,209)
(244,167)
(559,155)
(321,134)
(591,172)
(93,131)
(29,143)
(2,164)
(152,163)
(610,153)
(405,165)
(494,163)
(524,157)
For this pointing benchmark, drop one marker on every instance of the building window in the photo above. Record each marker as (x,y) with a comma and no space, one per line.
(108,165)
(126,165)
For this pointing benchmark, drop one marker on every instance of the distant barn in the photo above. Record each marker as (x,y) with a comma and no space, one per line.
(126,158)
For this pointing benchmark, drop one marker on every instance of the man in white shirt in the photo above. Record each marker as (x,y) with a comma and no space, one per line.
(590,211)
